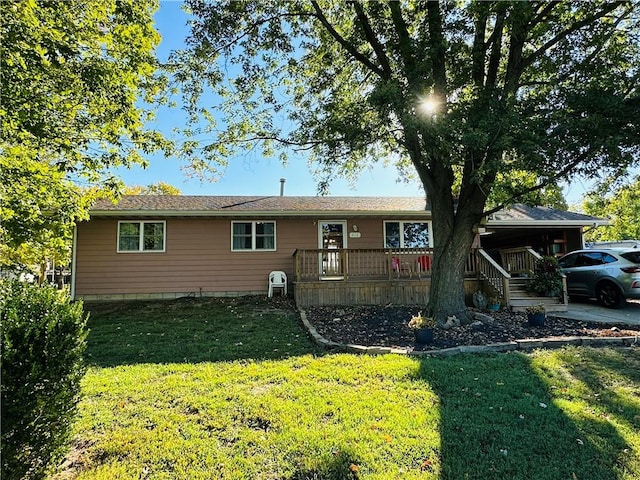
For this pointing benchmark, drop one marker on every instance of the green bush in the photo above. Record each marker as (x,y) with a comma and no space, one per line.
(43,340)
(547,277)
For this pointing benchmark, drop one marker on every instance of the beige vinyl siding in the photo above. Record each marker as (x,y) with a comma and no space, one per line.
(198,257)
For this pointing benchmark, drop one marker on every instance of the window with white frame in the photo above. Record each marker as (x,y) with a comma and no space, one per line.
(143,236)
(248,236)
(405,234)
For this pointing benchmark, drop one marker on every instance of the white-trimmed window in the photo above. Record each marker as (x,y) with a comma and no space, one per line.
(249,236)
(407,234)
(143,236)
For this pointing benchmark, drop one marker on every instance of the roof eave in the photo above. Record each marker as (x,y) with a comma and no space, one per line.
(559,223)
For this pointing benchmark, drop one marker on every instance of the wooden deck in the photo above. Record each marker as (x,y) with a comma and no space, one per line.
(403,277)
(367,277)
(368,264)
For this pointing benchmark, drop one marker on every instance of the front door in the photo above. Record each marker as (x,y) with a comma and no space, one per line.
(332,239)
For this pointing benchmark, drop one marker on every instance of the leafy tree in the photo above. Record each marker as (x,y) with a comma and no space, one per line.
(622,207)
(474,89)
(508,186)
(158,188)
(73,74)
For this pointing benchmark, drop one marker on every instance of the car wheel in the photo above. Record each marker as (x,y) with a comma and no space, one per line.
(609,295)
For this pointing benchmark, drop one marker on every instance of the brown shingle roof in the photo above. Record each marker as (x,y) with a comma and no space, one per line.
(206,205)
(215,205)
(520,213)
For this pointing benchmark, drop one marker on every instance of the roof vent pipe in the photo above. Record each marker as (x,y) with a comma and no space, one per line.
(282,180)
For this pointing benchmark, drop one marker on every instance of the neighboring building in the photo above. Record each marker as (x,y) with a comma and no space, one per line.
(614,244)
(152,246)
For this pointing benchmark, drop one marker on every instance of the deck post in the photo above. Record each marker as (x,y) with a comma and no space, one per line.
(296,266)
(345,262)
(506,292)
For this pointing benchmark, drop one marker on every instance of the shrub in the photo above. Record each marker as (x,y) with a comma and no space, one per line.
(547,277)
(43,340)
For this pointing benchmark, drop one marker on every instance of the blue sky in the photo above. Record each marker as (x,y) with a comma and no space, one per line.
(246,174)
(251,174)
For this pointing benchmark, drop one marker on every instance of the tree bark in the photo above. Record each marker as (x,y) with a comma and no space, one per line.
(453,239)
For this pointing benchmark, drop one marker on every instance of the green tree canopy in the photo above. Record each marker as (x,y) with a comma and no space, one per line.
(622,206)
(158,188)
(473,90)
(74,75)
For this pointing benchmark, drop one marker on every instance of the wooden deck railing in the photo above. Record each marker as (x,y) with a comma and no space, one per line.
(345,264)
(519,261)
(411,264)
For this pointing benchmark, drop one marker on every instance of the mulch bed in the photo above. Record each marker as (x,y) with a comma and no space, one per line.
(386,326)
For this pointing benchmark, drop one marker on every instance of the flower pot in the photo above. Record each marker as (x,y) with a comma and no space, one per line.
(494,307)
(536,319)
(423,336)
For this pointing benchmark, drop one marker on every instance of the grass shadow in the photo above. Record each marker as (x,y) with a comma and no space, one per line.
(338,465)
(502,417)
(194,330)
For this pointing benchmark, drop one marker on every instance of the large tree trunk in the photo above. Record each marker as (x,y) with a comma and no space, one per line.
(453,231)
(453,235)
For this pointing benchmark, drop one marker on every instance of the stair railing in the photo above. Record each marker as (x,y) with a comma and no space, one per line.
(489,270)
(519,261)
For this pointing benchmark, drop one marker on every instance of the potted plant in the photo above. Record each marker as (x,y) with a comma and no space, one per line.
(536,315)
(422,328)
(547,278)
(493,304)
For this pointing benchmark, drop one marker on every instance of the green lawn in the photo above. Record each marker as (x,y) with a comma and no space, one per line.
(233,389)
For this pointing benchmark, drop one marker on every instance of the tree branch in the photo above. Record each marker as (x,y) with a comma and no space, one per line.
(479,48)
(496,46)
(544,13)
(372,39)
(560,174)
(437,50)
(519,30)
(404,40)
(355,53)
(606,8)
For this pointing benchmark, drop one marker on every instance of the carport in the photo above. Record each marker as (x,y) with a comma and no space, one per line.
(546,230)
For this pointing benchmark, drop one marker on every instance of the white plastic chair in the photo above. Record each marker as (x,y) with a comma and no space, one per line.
(277,279)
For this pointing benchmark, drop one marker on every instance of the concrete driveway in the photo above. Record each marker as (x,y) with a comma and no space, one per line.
(590,311)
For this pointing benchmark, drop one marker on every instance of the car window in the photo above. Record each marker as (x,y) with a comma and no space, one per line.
(568,261)
(631,256)
(588,259)
(607,258)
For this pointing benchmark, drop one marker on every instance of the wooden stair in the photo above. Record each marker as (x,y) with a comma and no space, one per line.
(520,298)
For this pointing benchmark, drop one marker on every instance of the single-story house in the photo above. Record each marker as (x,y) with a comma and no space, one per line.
(332,249)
